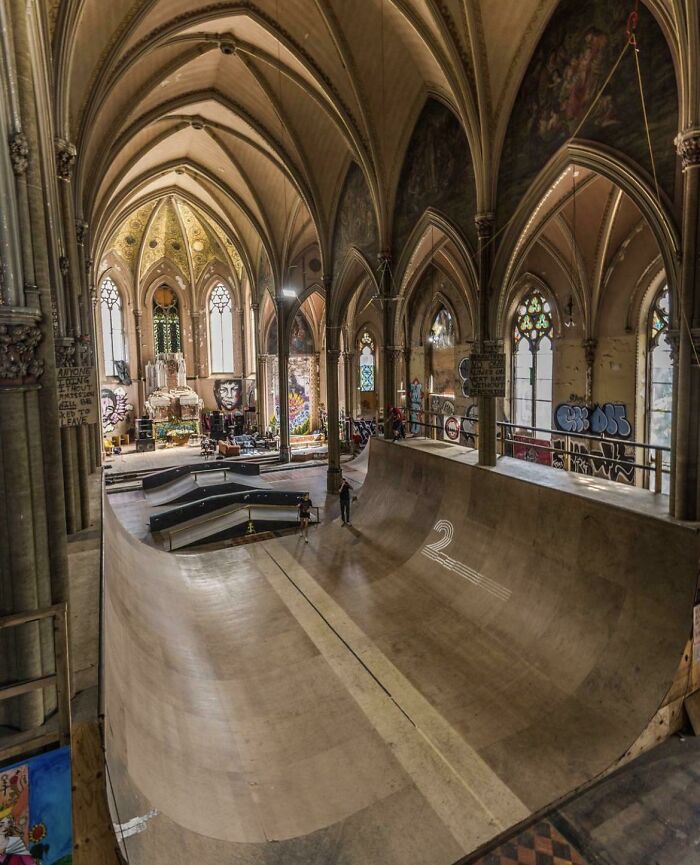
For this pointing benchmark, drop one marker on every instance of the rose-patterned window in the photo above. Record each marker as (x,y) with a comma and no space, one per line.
(660,380)
(220,329)
(166,321)
(113,335)
(532,363)
(367,363)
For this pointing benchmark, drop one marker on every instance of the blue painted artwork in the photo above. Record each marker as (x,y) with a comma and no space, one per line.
(36,826)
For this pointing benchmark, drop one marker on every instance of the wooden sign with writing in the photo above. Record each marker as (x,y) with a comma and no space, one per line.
(485,374)
(77,399)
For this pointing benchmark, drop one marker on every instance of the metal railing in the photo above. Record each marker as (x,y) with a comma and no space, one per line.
(60,679)
(651,467)
(172,533)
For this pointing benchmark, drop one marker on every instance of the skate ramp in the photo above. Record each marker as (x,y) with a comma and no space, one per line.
(473,648)
(545,627)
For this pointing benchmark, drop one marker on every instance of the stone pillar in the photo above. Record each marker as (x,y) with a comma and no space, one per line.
(38,291)
(261,382)
(195,319)
(685,504)
(487,404)
(388,355)
(348,372)
(283,384)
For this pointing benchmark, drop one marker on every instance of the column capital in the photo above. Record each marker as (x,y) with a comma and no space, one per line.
(384,257)
(589,347)
(19,153)
(332,355)
(66,154)
(20,336)
(485,222)
(688,148)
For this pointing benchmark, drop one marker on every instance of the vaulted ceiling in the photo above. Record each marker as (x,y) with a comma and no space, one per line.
(254,109)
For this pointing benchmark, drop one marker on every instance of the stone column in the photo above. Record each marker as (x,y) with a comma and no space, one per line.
(589,347)
(685,504)
(283,384)
(348,370)
(38,292)
(487,404)
(195,318)
(388,355)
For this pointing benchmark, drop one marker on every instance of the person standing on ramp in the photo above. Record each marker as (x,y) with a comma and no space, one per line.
(345,501)
(305,506)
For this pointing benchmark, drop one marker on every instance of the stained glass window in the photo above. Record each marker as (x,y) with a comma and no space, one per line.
(166,321)
(113,335)
(532,363)
(660,380)
(442,331)
(367,365)
(221,329)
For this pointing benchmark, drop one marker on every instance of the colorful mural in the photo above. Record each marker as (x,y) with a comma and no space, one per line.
(300,395)
(437,172)
(355,224)
(576,54)
(35,811)
(228,393)
(115,407)
(301,340)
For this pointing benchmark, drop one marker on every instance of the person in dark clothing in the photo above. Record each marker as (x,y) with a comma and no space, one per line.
(305,506)
(345,501)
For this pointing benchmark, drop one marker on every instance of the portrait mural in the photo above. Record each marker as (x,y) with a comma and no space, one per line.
(575,56)
(35,811)
(228,393)
(437,172)
(115,407)
(300,385)
(355,224)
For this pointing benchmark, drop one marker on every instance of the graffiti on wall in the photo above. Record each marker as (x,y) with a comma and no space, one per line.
(115,407)
(35,811)
(228,393)
(364,428)
(609,419)
(416,397)
(611,459)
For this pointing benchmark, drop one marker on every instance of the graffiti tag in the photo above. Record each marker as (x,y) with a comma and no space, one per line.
(607,419)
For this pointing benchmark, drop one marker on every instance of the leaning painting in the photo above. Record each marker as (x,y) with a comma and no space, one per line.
(35,811)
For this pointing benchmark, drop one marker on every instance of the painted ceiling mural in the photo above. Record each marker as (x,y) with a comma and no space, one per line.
(173,229)
(355,224)
(575,56)
(437,172)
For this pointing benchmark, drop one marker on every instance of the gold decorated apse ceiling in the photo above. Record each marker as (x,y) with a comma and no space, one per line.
(174,230)
(126,240)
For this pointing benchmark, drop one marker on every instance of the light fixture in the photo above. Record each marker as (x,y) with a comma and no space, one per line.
(288,292)
(569,312)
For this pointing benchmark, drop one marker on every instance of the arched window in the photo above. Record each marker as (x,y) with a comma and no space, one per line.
(442,330)
(532,363)
(367,363)
(221,329)
(660,380)
(113,336)
(166,321)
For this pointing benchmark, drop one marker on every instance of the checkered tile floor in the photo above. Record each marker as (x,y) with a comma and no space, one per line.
(539,845)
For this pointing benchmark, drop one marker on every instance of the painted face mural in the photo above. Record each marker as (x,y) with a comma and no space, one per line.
(228,393)
(115,407)
(299,398)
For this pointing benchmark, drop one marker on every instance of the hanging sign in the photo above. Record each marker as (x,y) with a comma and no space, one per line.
(77,401)
(452,427)
(484,373)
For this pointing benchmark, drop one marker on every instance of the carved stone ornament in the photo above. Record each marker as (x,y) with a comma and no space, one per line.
(688,146)
(484,224)
(65,353)
(19,153)
(19,363)
(83,351)
(81,229)
(64,266)
(65,159)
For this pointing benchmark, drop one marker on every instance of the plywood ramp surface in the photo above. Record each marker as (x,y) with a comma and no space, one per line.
(400,691)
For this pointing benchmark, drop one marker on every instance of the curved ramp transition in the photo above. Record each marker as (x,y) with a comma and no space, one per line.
(472,649)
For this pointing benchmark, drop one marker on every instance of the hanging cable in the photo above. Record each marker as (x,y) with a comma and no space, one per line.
(282,125)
